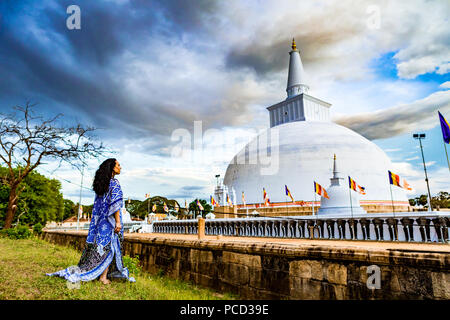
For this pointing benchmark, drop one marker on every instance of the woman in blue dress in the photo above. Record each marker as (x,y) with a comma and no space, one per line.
(102,256)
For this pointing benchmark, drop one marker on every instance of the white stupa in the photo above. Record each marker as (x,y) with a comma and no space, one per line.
(341,200)
(303,141)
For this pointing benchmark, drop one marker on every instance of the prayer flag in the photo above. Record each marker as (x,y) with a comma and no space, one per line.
(445,126)
(320,190)
(288,193)
(230,203)
(397,181)
(394,179)
(213,202)
(266,198)
(199,205)
(355,187)
(166,209)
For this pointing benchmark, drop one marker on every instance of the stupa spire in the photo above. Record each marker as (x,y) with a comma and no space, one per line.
(336,177)
(296,76)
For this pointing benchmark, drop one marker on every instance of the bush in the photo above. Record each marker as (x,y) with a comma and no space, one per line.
(19,232)
(37,228)
(132,264)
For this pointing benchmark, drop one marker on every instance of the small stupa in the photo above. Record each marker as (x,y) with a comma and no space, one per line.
(342,200)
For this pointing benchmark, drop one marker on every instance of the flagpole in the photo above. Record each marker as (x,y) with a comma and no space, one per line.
(315,201)
(287,210)
(445,148)
(392,199)
(351,205)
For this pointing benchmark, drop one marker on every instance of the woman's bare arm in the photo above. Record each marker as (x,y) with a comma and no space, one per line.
(117,217)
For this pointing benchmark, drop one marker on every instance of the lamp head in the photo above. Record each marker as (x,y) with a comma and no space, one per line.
(419,135)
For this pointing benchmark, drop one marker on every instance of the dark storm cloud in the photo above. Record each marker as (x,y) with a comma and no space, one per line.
(78,71)
(397,120)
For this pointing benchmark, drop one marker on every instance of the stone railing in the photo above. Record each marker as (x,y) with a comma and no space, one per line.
(420,227)
(127,227)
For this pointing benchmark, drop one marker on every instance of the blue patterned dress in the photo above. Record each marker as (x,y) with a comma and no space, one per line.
(103,245)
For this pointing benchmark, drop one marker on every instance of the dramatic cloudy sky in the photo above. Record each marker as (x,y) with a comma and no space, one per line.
(144,71)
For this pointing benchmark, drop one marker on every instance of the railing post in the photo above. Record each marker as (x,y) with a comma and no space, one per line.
(341,228)
(311,228)
(393,230)
(408,228)
(378,223)
(439,224)
(201,228)
(330,228)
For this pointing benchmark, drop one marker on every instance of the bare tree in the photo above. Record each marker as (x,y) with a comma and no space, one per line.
(26,140)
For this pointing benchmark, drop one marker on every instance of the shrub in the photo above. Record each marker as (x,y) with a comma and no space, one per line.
(37,228)
(19,232)
(132,263)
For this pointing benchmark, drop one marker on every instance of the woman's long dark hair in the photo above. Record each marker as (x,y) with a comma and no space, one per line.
(103,176)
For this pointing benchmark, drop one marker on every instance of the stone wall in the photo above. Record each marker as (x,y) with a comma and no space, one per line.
(285,271)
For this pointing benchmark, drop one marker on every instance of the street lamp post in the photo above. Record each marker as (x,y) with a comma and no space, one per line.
(420,136)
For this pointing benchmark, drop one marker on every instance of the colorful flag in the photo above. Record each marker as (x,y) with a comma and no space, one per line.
(362,190)
(355,187)
(199,205)
(243,198)
(177,207)
(445,126)
(394,179)
(213,202)
(266,198)
(166,209)
(288,193)
(230,203)
(154,207)
(406,185)
(397,181)
(320,190)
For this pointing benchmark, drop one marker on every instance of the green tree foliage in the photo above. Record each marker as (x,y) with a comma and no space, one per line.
(140,209)
(70,209)
(41,200)
(441,200)
(193,207)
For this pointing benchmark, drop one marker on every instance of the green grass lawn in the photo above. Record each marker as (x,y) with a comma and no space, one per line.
(23,264)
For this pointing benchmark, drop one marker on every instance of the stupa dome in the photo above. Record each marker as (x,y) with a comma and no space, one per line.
(305,152)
